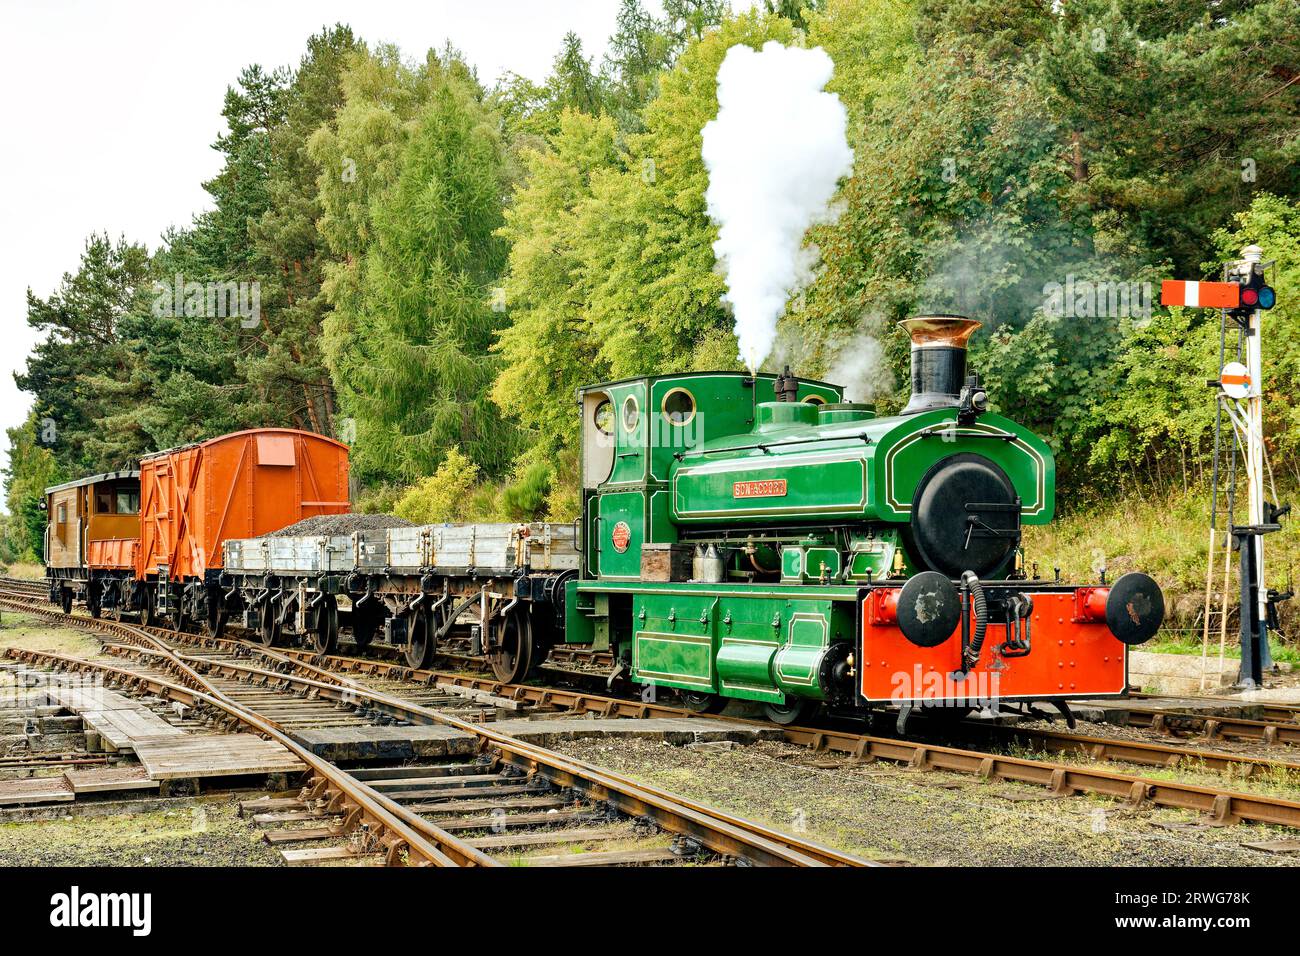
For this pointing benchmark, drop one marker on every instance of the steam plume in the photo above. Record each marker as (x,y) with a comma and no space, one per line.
(859,365)
(775,155)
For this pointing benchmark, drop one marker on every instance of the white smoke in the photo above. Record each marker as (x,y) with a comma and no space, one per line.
(859,365)
(775,155)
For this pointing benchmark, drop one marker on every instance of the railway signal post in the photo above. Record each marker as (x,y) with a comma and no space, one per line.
(1243,297)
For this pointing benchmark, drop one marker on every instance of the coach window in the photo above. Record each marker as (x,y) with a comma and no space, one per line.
(128,501)
(104,501)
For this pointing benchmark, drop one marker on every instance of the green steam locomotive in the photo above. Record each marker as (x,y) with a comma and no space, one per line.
(756,537)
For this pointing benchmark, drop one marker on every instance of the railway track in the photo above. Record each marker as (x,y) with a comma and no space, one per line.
(1221,804)
(1272,711)
(519,795)
(24,586)
(1280,724)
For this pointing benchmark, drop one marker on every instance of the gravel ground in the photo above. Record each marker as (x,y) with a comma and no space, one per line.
(340,524)
(926,817)
(205,831)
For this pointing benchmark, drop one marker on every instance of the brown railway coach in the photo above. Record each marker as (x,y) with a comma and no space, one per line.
(84,516)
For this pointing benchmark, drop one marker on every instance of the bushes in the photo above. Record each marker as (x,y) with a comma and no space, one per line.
(455,493)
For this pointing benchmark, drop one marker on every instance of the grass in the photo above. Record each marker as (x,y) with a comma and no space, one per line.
(1182,642)
(25,569)
(37,634)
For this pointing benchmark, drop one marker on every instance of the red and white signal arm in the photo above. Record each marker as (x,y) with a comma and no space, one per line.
(1202,295)
(1235,380)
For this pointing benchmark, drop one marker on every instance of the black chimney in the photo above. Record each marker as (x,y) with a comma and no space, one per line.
(938,360)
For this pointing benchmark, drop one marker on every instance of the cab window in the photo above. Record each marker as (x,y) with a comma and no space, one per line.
(117,501)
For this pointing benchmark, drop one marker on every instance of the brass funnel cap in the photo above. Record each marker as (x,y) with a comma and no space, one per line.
(940,331)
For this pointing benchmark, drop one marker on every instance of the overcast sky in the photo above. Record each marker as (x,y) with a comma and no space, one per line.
(109,110)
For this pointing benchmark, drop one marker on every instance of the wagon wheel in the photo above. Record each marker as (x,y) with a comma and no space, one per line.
(147,618)
(364,625)
(512,647)
(215,622)
(792,711)
(702,702)
(419,648)
(92,601)
(269,631)
(65,600)
(325,638)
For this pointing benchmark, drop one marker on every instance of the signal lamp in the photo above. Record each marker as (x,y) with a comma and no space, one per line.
(1255,294)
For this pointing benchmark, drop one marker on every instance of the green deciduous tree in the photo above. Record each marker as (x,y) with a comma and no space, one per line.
(32,468)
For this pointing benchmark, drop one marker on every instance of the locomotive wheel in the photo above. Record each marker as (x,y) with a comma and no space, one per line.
(420,645)
(512,647)
(792,711)
(702,702)
(65,600)
(364,625)
(325,639)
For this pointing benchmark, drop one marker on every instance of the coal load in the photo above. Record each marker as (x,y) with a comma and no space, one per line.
(340,524)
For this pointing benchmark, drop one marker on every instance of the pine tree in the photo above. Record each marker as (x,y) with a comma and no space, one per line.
(419,260)
(290,365)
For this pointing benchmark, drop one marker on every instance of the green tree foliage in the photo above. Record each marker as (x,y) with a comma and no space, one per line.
(1176,115)
(415,233)
(547,348)
(289,365)
(83,364)
(32,468)
(1273,223)
(446,495)
(611,261)
(441,267)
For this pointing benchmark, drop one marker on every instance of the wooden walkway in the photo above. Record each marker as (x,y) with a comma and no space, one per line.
(194,756)
(117,723)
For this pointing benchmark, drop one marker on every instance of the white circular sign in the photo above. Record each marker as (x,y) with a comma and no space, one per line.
(1235,380)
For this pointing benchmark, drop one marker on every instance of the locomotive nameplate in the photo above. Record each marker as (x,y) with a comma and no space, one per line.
(770,488)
